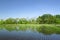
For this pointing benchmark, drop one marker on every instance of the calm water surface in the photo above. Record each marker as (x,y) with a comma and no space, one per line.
(26,35)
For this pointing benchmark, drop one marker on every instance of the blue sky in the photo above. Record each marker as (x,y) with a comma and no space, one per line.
(28,8)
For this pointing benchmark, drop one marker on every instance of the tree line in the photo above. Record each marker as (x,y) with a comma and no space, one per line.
(44,19)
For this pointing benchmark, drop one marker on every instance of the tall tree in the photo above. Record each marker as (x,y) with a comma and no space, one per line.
(57,19)
(10,21)
(46,18)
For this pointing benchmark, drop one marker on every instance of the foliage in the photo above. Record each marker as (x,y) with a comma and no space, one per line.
(44,19)
(10,21)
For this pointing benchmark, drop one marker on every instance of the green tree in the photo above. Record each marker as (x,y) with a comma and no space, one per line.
(39,20)
(22,21)
(57,19)
(10,21)
(2,21)
(32,21)
(46,18)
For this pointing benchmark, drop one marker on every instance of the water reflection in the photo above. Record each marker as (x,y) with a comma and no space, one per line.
(40,29)
(26,35)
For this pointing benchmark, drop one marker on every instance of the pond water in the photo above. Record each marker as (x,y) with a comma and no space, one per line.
(26,35)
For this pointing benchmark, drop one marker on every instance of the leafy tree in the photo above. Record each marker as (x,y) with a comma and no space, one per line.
(2,21)
(10,21)
(39,20)
(46,18)
(22,21)
(32,21)
(58,16)
(57,19)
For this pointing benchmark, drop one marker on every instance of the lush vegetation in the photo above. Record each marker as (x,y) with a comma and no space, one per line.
(46,24)
(44,19)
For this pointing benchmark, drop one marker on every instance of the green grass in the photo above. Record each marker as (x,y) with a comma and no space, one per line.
(44,28)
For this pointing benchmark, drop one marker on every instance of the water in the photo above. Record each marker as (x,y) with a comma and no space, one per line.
(26,35)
